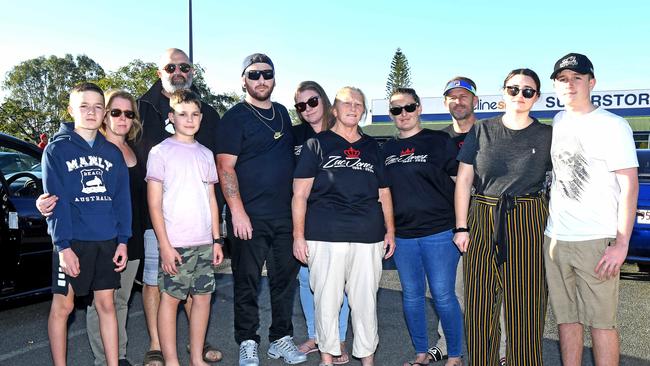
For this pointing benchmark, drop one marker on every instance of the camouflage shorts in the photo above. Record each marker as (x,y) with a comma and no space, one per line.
(195,276)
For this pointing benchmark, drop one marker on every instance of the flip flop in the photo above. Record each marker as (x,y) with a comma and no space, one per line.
(153,358)
(207,349)
(307,348)
(343,358)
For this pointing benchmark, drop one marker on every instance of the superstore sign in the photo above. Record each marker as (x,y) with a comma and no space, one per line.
(626,103)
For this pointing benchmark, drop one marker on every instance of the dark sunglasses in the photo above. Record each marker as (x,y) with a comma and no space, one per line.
(255,74)
(118,112)
(396,111)
(302,106)
(526,92)
(184,67)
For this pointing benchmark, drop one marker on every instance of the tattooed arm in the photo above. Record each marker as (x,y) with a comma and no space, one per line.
(241,224)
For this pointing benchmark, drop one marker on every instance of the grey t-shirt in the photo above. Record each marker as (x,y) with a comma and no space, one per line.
(507,161)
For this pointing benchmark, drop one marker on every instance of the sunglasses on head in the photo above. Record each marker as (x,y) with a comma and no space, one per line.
(255,74)
(526,92)
(396,111)
(302,106)
(184,67)
(118,112)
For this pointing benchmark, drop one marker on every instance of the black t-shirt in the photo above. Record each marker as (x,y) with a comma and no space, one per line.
(343,205)
(264,164)
(505,160)
(301,133)
(418,170)
(135,249)
(458,138)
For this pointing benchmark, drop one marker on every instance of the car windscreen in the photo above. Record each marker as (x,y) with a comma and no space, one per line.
(644,164)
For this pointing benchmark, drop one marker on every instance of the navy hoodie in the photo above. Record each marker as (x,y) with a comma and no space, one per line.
(92,184)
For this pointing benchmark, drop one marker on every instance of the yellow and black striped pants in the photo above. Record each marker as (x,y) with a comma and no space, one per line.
(519,282)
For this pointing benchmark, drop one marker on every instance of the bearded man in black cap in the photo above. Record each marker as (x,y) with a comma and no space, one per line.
(255,165)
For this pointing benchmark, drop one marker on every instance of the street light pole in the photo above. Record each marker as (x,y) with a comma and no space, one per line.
(191,46)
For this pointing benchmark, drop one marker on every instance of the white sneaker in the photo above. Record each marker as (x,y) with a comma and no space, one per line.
(285,348)
(248,353)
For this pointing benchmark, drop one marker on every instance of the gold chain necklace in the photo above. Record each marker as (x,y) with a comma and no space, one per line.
(256,113)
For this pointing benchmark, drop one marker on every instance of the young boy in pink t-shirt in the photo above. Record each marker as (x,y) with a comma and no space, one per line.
(181,174)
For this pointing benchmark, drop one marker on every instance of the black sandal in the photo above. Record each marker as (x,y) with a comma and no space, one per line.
(153,358)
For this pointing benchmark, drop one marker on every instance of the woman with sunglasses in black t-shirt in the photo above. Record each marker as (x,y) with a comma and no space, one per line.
(314,111)
(500,228)
(420,164)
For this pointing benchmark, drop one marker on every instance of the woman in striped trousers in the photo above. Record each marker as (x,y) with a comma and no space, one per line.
(501,229)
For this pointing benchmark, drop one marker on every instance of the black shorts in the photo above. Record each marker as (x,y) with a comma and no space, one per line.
(96,268)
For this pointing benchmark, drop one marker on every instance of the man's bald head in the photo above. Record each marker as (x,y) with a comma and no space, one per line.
(175,70)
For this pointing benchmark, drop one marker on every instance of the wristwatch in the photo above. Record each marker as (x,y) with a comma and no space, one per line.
(460,230)
(217,241)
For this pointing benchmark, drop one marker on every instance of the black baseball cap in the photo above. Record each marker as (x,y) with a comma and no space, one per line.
(575,62)
(256,58)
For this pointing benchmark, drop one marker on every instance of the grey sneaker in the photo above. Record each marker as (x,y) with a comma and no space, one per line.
(248,353)
(285,348)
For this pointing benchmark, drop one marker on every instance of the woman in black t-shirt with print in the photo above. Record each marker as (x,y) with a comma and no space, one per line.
(505,159)
(419,166)
(343,225)
(315,112)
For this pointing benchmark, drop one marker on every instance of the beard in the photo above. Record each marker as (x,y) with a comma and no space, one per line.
(175,82)
(461,114)
(261,96)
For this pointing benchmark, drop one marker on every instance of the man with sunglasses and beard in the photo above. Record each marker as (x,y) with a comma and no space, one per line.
(175,73)
(255,162)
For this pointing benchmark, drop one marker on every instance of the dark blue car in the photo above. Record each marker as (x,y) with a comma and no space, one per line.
(639,251)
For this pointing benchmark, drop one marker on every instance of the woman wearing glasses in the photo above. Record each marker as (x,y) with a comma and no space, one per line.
(420,164)
(343,226)
(121,125)
(314,110)
(501,229)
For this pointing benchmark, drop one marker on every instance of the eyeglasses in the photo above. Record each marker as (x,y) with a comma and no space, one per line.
(526,92)
(184,67)
(118,112)
(302,106)
(410,108)
(266,74)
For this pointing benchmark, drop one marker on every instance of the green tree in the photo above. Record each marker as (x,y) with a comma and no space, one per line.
(136,77)
(400,73)
(38,91)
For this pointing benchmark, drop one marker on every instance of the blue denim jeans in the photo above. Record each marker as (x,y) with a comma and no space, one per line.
(307,303)
(436,257)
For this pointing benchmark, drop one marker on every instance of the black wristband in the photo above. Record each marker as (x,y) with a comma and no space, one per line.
(460,230)
(217,241)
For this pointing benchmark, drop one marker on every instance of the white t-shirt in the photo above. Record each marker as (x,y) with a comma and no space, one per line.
(586,151)
(186,172)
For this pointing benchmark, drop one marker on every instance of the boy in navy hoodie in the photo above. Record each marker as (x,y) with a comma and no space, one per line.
(91,222)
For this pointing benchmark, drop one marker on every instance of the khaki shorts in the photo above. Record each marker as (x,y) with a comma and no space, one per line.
(576,294)
(195,276)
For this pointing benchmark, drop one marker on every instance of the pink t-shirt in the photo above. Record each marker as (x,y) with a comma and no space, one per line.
(186,172)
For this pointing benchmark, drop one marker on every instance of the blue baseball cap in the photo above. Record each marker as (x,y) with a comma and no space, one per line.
(459,83)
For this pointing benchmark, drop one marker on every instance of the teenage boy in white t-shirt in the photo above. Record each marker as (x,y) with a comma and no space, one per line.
(592,211)
(181,174)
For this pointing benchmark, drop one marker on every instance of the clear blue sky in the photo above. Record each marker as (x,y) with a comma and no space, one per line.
(338,43)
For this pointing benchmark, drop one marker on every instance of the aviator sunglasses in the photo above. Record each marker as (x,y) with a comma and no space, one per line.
(118,112)
(526,92)
(255,74)
(302,106)
(396,111)
(184,67)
